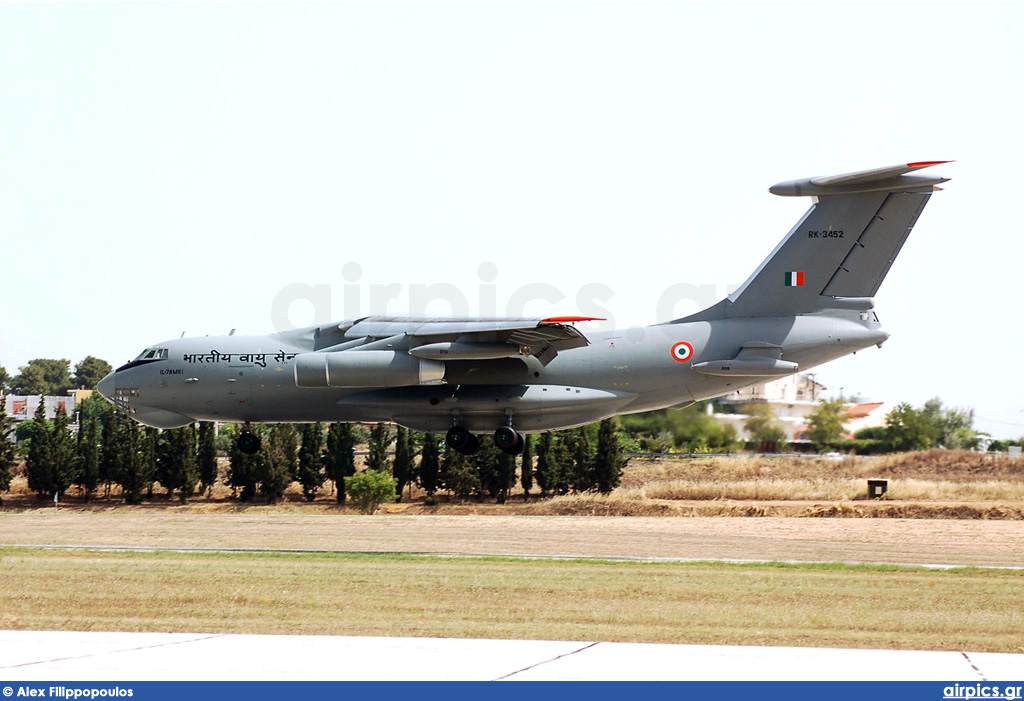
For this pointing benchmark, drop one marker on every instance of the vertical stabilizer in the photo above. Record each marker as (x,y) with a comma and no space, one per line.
(841,248)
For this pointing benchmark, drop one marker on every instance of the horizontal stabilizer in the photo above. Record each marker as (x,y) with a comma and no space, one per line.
(888,179)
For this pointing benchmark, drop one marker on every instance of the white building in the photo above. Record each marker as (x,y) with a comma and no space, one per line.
(792,398)
(24,408)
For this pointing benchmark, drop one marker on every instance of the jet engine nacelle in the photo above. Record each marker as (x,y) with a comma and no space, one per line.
(376,368)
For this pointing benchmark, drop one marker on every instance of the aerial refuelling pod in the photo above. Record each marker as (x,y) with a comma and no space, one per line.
(375,368)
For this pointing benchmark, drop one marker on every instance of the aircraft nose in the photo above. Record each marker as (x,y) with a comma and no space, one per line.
(106,387)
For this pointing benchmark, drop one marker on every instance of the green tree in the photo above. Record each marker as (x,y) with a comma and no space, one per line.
(544,471)
(380,439)
(26,430)
(825,424)
(496,470)
(505,475)
(562,461)
(609,460)
(526,474)
(691,429)
(164,454)
(110,451)
(280,462)
(7,448)
(555,462)
(871,433)
(430,465)
(311,467)
(340,458)
(401,467)
(4,379)
(582,471)
(91,418)
(44,376)
(38,462)
(907,428)
(954,426)
(761,424)
(245,469)
(370,488)
(180,469)
(207,456)
(90,371)
(132,456)
(62,451)
(461,476)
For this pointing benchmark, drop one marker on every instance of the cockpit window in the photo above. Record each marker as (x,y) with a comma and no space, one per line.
(153,354)
(147,356)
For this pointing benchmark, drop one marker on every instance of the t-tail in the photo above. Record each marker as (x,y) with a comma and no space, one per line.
(840,251)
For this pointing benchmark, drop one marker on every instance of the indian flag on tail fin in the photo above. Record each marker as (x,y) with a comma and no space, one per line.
(795,279)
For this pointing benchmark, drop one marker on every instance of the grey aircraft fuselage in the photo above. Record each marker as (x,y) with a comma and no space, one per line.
(252,378)
(808,303)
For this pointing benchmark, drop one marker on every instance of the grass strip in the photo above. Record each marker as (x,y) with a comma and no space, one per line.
(821,605)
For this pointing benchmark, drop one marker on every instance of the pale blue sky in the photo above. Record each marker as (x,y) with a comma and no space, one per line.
(181,166)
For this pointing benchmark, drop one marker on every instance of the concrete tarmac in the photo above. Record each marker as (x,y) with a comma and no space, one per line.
(78,656)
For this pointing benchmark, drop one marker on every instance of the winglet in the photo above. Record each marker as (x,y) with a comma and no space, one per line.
(891,179)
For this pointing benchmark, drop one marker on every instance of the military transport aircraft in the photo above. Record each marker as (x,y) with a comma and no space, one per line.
(809,302)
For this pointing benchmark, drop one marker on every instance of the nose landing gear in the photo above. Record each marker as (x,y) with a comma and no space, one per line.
(248,442)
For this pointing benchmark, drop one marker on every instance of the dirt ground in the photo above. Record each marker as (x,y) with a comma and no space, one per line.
(897,541)
(979,528)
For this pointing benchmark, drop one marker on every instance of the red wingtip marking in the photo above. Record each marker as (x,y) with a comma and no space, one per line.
(923,164)
(569,319)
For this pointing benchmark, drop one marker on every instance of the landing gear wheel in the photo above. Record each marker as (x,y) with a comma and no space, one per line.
(520,445)
(248,442)
(508,440)
(461,440)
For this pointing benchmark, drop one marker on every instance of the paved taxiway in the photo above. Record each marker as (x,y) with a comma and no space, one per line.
(76,656)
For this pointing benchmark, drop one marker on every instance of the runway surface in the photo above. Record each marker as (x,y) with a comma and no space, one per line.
(75,656)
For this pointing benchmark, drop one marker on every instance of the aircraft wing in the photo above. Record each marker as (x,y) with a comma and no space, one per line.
(441,338)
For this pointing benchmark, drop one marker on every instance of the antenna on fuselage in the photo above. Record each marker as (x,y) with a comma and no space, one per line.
(231,333)
(182,335)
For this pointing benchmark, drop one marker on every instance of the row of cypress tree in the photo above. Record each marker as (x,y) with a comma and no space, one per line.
(111,449)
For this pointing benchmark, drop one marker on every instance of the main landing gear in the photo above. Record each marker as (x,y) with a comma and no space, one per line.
(461,440)
(509,440)
(506,438)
